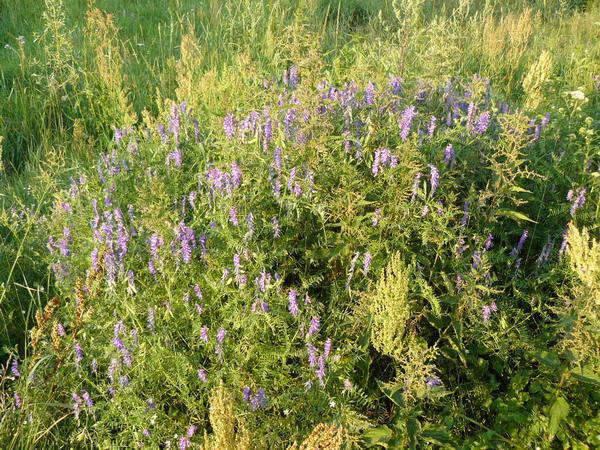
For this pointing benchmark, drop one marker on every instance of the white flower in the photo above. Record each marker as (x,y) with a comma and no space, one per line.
(332,404)
(576,94)
(286,412)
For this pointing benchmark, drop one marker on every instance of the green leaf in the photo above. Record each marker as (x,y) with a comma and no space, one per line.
(412,427)
(515,215)
(439,437)
(547,358)
(559,410)
(377,436)
(586,375)
(394,393)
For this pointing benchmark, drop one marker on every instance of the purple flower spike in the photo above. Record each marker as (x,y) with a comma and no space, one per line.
(14,368)
(221,335)
(293,304)
(367,262)
(431,129)
(435,179)
(406,122)
(204,333)
(229,126)
(314,326)
(448,154)
(202,375)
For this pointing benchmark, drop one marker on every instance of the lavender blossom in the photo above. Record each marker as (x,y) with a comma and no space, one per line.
(515,251)
(202,375)
(76,405)
(435,179)
(448,154)
(18,402)
(369,93)
(88,399)
(221,335)
(376,217)
(204,333)
(314,326)
(431,129)
(367,262)
(78,355)
(488,242)
(415,188)
(14,368)
(406,122)
(293,77)
(432,382)
(233,216)
(482,123)
(229,126)
(293,304)
(151,320)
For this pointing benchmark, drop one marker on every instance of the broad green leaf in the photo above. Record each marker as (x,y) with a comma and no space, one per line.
(515,215)
(559,410)
(377,436)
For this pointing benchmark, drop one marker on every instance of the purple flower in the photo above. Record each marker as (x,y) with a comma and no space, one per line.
(431,129)
(435,179)
(465,218)
(488,242)
(146,433)
(578,202)
(236,174)
(124,381)
(78,355)
(233,216)
(14,368)
(262,398)
(545,120)
(367,262)
(247,394)
(314,326)
(76,405)
(482,123)
(563,245)
(406,122)
(320,371)
(229,126)
(204,333)
(151,320)
(18,402)
(415,188)
(293,77)
(515,251)
(293,304)
(88,399)
(221,335)
(470,116)
(202,375)
(327,348)
(376,217)
(486,310)
(184,443)
(191,430)
(448,154)
(369,93)
(432,382)
(312,355)
(425,211)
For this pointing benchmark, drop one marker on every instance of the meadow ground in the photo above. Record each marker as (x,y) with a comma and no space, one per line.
(300,224)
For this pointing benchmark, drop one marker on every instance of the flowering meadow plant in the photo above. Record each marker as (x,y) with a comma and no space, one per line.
(359,255)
